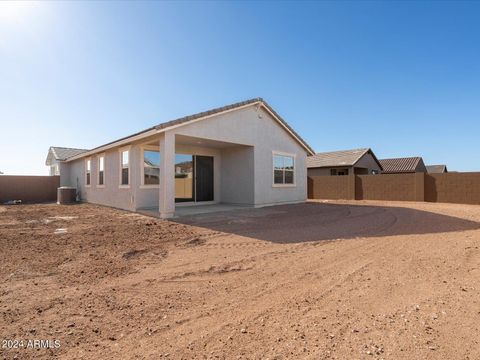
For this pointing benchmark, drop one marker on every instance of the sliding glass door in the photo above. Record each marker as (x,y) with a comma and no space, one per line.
(184,175)
(204,178)
(193,178)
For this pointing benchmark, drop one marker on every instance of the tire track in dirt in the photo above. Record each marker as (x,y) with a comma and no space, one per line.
(255,301)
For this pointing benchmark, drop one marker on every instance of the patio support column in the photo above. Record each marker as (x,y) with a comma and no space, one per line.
(166,197)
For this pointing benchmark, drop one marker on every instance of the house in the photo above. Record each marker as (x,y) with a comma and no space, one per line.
(437,169)
(403,165)
(57,155)
(243,153)
(344,162)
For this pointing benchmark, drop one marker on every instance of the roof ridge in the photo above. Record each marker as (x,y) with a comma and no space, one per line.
(404,157)
(200,114)
(347,150)
(63,147)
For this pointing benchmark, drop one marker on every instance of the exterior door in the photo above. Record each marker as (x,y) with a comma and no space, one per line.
(203,178)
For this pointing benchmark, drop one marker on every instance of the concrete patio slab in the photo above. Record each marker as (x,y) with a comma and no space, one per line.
(182,211)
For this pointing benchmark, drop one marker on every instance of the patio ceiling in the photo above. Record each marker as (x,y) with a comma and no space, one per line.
(194,141)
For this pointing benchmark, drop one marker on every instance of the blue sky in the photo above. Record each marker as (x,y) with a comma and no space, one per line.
(400,77)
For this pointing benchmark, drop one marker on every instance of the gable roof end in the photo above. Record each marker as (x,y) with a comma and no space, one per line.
(436,169)
(186,119)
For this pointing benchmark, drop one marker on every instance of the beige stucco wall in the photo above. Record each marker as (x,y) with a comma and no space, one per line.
(255,127)
(112,194)
(368,162)
(243,174)
(64,169)
(237,175)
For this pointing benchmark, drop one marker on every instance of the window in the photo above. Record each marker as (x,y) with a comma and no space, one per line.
(101,170)
(88,172)
(339,172)
(283,170)
(124,168)
(151,167)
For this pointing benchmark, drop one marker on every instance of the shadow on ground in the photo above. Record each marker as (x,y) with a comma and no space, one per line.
(319,221)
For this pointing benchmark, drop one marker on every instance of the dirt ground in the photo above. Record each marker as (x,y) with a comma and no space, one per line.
(338,280)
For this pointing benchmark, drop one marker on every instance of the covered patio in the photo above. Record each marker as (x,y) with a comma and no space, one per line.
(196,175)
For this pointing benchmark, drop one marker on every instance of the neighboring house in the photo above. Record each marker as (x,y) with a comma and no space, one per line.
(243,153)
(403,165)
(437,169)
(345,162)
(57,155)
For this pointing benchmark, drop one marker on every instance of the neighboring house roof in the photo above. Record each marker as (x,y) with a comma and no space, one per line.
(401,165)
(199,116)
(149,163)
(62,153)
(436,169)
(339,158)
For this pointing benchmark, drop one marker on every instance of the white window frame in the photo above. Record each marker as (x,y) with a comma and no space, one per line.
(142,168)
(99,156)
(86,171)
(294,156)
(120,151)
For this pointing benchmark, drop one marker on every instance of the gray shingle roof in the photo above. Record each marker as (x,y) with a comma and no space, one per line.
(400,165)
(436,169)
(63,153)
(336,158)
(218,110)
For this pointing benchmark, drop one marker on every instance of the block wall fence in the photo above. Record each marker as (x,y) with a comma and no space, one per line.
(29,189)
(461,188)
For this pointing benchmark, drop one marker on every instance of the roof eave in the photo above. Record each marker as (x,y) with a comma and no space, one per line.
(287,127)
(123,141)
(158,129)
(51,153)
(330,166)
